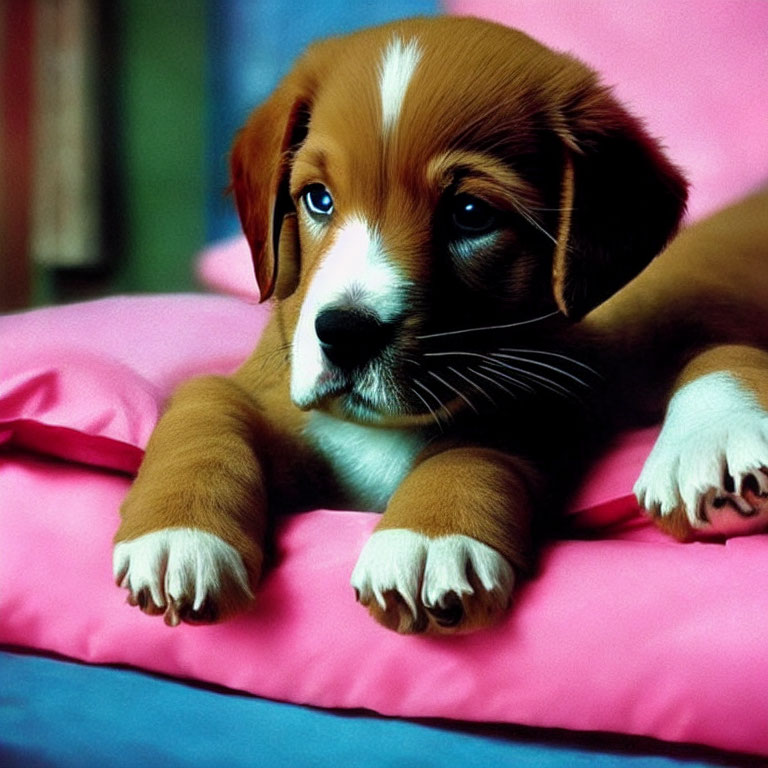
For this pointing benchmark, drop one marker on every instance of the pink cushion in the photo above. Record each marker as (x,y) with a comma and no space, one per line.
(695,70)
(226,267)
(87,382)
(623,631)
(632,633)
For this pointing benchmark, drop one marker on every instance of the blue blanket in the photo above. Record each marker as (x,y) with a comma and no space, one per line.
(60,713)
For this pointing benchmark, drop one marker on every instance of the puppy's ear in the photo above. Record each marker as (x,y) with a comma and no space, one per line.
(621,200)
(260,166)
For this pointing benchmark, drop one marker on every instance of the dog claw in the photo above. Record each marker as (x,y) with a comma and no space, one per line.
(143,600)
(207,613)
(449,613)
(179,611)
(409,623)
(412,583)
(172,616)
(187,575)
(120,576)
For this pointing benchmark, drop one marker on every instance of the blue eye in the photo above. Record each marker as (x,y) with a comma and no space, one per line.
(318,200)
(471,216)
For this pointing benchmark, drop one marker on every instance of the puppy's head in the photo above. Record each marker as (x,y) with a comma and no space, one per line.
(412,181)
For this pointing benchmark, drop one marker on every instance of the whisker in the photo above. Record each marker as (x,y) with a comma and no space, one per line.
(542,381)
(473,383)
(532,221)
(526,387)
(493,381)
(439,402)
(554,354)
(428,407)
(453,389)
(525,212)
(490,327)
(543,365)
(487,358)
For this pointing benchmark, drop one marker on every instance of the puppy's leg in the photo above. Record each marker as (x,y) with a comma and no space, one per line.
(190,542)
(443,557)
(708,472)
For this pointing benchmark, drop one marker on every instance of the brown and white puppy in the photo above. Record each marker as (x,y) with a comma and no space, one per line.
(433,205)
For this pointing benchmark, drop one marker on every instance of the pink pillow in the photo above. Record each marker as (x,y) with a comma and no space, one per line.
(632,633)
(605,497)
(695,70)
(77,406)
(87,382)
(226,267)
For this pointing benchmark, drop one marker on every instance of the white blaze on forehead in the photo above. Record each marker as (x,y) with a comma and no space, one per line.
(355,272)
(396,70)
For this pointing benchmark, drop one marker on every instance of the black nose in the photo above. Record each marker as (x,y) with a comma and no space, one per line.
(350,338)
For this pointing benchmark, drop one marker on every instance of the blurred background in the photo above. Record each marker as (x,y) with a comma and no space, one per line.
(116,119)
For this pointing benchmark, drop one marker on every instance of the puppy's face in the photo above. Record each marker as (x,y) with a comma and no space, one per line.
(413,181)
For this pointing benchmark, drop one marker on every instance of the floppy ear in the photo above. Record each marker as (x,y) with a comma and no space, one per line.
(260,165)
(621,200)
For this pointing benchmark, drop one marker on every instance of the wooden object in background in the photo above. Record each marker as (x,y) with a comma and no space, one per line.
(16,107)
(66,193)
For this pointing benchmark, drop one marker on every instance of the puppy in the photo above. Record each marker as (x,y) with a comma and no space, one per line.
(434,206)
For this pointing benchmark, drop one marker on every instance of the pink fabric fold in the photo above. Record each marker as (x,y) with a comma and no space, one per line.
(624,631)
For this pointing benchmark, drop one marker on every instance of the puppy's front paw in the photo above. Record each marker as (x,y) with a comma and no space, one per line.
(412,583)
(707,472)
(185,573)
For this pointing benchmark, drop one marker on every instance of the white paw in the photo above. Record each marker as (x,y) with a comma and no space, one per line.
(182,572)
(710,458)
(442,575)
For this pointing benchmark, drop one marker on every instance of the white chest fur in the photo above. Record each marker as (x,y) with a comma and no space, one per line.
(369,462)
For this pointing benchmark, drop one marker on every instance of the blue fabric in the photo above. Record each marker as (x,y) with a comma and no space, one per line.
(59,713)
(251,46)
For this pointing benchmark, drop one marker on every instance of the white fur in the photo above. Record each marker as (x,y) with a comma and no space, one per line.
(427,570)
(713,425)
(355,269)
(370,462)
(396,70)
(178,562)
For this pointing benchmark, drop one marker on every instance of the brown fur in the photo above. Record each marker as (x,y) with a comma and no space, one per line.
(492,113)
(705,293)
(698,308)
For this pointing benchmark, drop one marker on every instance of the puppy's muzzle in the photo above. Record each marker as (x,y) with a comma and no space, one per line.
(350,338)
